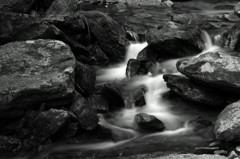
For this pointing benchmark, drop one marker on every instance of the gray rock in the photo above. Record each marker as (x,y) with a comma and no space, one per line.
(9,144)
(215,69)
(175,42)
(35,71)
(148,122)
(227,127)
(191,156)
(16,6)
(85,78)
(86,114)
(135,67)
(193,91)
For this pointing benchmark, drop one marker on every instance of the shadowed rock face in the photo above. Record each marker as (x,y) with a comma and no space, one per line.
(227,126)
(193,91)
(216,69)
(35,71)
(175,42)
(16,6)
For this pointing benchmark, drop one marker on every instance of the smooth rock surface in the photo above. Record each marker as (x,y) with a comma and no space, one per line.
(215,69)
(35,71)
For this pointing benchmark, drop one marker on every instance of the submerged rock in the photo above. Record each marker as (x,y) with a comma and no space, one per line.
(215,69)
(175,42)
(16,6)
(35,71)
(86,114)
(227,126)
(148,122)
(193,91)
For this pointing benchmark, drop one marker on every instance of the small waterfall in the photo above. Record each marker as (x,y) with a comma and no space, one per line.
(133,36)
(209,45)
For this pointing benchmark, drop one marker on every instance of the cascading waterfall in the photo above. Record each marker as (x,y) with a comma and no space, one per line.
(123,121)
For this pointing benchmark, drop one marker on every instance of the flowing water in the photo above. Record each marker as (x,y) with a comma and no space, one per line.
(123,121)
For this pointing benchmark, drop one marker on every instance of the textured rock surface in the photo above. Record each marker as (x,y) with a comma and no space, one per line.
(135,67)
(191,156)
(9,144)
(45,125)
(33,72)
(148,122)
(227,126)
(216,69)
(158,3)
(230,39)
(193,91)
(86,114)
(17,6)
(85,78)
(175,42)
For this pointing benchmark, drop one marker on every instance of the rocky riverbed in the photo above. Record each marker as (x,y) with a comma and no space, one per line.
(119,79)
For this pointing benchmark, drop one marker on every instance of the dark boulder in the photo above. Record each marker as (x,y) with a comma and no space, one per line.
(230,39)
(193,91)
(99,103)
(227,127)
(9,144)
(85,78)
(135,67)
(99,27)
(16,6)
(113,94)
(215,69)
(35,71)
(86,114)
(175,42)
(45,125)
(148,122)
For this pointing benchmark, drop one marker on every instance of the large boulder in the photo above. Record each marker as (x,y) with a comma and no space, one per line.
(193,91)
(227,126)
(16,6)
(148,122)
(230,39)
(45,125)
(85,112)
(96,27)
(136,67)
(215,69)
(33,72)
(21,27)
(175,42)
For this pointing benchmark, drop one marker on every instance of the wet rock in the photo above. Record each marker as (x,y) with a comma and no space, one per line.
(135,67)
(68,131)
(192,156)
(148,54)
(148,122)
(100,103)
(227,126)
(97,56)
(156,3)
(85,78)
(215,69)
(45,125)
(86,115)
(63,7)
(21,27)
(99,27)
(9,144)
(113,94)
(16,6)
(237,9)
(230,39)
(193,91)
(35,71)
(175,42)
